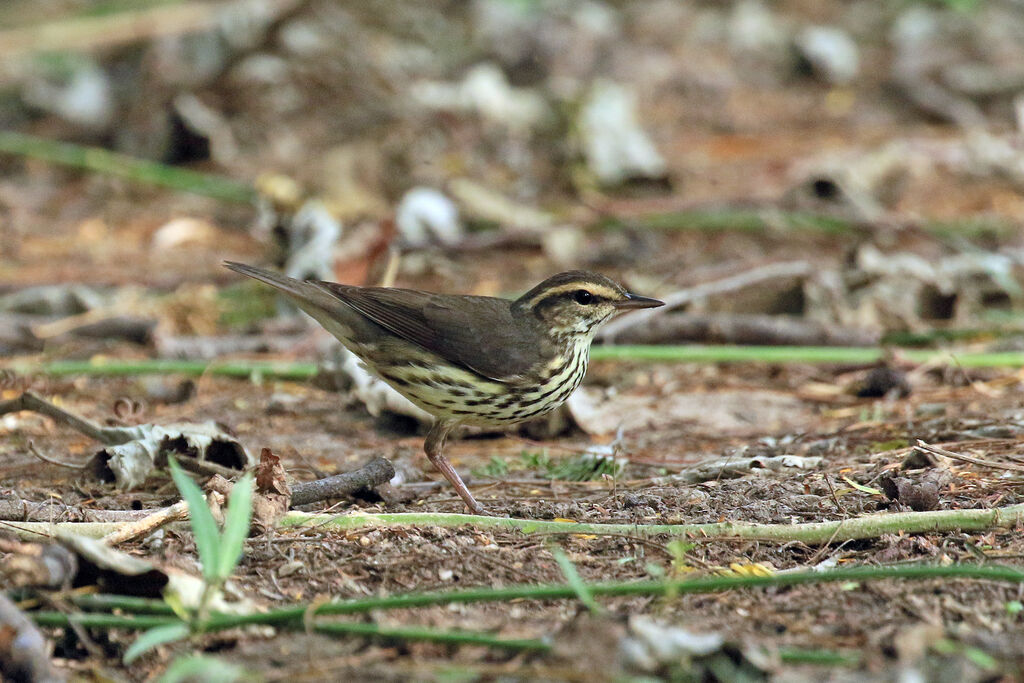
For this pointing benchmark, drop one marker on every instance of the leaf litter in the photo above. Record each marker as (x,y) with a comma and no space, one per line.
(511,140)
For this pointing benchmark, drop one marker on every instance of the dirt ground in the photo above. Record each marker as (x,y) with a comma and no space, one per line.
(737,129)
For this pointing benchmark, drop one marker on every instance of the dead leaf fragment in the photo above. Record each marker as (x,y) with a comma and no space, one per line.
(128,464)
(917,495)
(273,495)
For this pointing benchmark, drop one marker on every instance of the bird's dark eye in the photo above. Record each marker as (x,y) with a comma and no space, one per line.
(582,296)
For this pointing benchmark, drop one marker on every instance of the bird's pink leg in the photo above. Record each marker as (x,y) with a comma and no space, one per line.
(433,447)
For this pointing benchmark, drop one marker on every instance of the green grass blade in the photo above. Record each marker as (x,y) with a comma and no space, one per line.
(575,581)
(236,526)
(154,637)
(98,160)
(204,527)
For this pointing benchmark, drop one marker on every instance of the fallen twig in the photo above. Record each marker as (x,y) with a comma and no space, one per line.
(85,33)
(772,271)
(142,527)
(867,526)
(936,450)
(53,461)
(106,435)
(13,509)
(733,467)
(34,531)
(377,471)
(132,452)
(744,329)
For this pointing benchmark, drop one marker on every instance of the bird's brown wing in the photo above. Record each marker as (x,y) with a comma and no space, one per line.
(479,333)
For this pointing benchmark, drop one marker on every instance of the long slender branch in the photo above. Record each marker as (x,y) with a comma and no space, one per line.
(867,526)
(811,533)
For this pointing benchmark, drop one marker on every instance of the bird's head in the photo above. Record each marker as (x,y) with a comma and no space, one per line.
(574,303)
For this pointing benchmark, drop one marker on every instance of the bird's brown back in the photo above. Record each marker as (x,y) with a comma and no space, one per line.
(484,334)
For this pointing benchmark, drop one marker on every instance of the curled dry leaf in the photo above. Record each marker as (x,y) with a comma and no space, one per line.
(915,494)
(270,501)
(270,475)
(128,464)
(883,381)
(273,495)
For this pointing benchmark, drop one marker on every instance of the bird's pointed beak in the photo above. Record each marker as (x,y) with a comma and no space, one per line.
(636,301)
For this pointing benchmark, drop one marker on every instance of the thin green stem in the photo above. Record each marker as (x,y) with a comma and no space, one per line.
(709,584)
(104,161)
(820,657)
(675,354)
(801,354)
(736,219)
(733,219)
(110,368)
(295,617)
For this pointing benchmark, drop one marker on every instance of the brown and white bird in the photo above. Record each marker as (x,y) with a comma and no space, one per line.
(472,360)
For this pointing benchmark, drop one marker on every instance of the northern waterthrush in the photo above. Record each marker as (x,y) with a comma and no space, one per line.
(473,360)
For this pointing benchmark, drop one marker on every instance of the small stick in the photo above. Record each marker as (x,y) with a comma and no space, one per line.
(935,450)
(744,329)
(30,401)
(674,300)
(835,498)
(373,473)
(142,527)
(13,509)
(207,468)
(53,461)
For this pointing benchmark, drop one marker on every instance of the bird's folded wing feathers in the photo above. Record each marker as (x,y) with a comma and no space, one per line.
(478,333)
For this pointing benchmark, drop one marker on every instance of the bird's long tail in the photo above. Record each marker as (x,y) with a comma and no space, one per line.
(310,297)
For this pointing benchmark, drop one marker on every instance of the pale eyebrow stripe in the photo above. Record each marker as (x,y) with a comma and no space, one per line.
(598,290)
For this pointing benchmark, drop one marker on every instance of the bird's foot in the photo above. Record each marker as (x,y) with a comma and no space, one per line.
(476,508)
